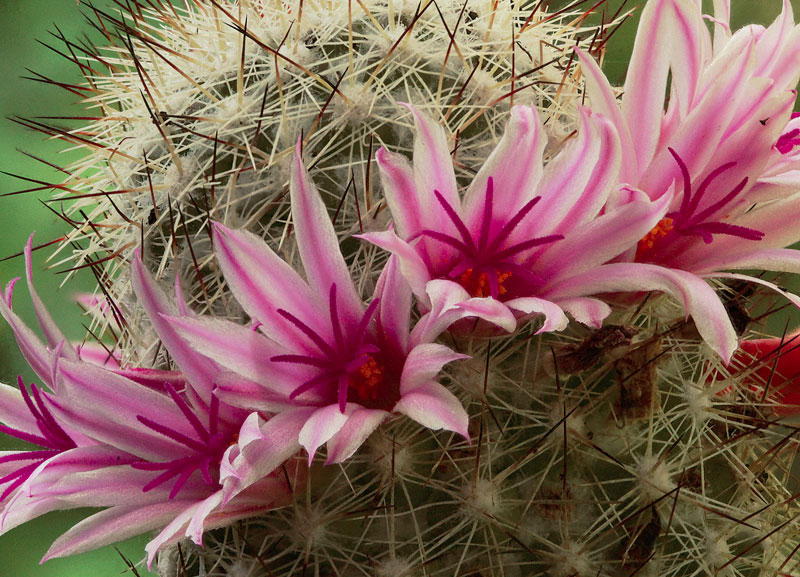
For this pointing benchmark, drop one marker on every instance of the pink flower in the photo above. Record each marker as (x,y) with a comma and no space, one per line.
(521,228)
(147,446)
(722,148)
(331,367)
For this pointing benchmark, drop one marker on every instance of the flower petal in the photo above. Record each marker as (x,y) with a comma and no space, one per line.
(199,370)
(411,264)
(698,298)
(515,166)
(262,447)
(52,333)
(579,180)
(587,311)
(604,102)
(323,424)
(241,350)
(423,364)
(319,248)
(113,525)
(434,407)
(554,318)
(263,283)
(451,303)
(359,426)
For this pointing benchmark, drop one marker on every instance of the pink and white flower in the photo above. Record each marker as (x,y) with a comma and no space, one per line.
(722,147)
(147,446)
(521,228)
(333,368)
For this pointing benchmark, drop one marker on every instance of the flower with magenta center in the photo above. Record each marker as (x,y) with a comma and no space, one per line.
(718,144)
(333,368)
(521,228)
(114,437)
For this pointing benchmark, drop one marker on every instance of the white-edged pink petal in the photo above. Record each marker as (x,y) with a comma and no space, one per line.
(198,370)
(698,298)
(433,166)
(263,283)
(323,424)
(241,350)
(105,407)
(578,182)
(434,407)
(646,80)
(52,333)
(451,303)
(14,412)
(411,264)
(407,203)
(423,364)
(515,165)
(604,102)
(602,239)
(34,351)
(322,259)
(554,318)
(262,447)
(113,525)
(359,426)
(773,259)
(394,307)
(586,310)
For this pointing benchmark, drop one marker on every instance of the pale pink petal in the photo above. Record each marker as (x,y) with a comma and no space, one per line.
(407,203)
(451,303)
(29,344)
(792,298)
(602,239)
(689,46)
(587,311)
(411,264)
(113,525)
(722,24)
(241,350)
(699,135)
(604,102)
(323,424)
(515,166)
(52,333)
(319,248)
(14,412)
(105,407)
(434,407)
(578,182)
(395,302)
(359,426)
(199,371)
(244,393)
(433,166)
(554,318)
(97,354)
(698,298)
(773,259)
(263,283)
(646,81)
(262,447)
(423,364)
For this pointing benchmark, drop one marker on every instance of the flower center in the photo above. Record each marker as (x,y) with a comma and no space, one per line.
(662,229)
(482,259)
(479,285)
(367,380)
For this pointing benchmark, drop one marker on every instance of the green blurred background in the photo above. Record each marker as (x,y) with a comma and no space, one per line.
(22,23)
